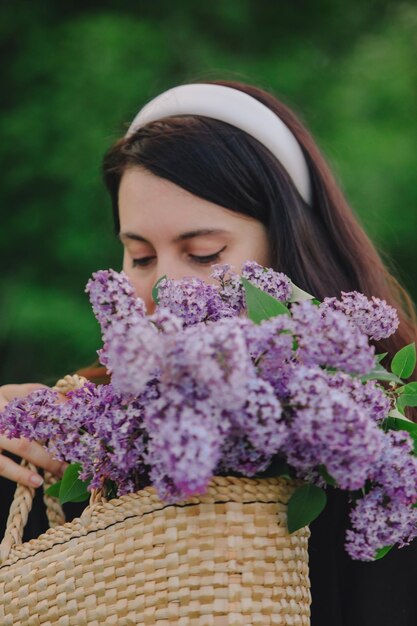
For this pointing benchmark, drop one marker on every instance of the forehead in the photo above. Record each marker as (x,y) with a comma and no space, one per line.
(149,202)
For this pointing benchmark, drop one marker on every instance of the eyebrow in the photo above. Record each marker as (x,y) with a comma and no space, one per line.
(183,237)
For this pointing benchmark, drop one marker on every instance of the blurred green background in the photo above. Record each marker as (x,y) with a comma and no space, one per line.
(75,73)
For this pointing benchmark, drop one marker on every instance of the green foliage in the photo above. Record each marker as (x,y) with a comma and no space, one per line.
(407,396)
(305,504)
(382,552)
(53,490)
(298,295)
(155,289)
(380,373)
(70,488)
(260,305)
(404,361)
(75,74)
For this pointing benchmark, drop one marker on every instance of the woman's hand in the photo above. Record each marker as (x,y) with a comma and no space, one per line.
(24,448)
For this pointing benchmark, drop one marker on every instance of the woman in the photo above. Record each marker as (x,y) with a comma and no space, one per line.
(206,175)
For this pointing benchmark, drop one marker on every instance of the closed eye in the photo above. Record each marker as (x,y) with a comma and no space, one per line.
(143,262)
(207,259)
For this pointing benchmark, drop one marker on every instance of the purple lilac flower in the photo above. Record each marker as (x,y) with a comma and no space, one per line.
(369,395)
(31,417)
(215,356)
(331,429)
(186,432)
(275,283)
(327,338)
(270,336)
(239,456)
(396,468)
(94,426)
(55,424)
(271,347)
(165,321)
(230,289)
(118,426)
(372,316)
(115,305)
(193,300)
(385,516)
(260,419)
(378,521)
(110,441)
(113,298)
(134,354)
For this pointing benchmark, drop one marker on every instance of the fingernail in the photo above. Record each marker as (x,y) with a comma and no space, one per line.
(36,480)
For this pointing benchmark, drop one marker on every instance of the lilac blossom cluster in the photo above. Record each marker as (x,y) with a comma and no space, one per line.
(114,304)
(329,427)
(372,316)
(386,515)
(327,337)
(199,389)
(194,300)
(94,426)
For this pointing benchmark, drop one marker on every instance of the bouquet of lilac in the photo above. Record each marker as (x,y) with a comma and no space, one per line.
(247,376)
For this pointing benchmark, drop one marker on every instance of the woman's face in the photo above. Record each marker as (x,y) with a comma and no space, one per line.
(166,230)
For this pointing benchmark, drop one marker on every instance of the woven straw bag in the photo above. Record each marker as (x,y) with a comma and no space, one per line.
(221,559)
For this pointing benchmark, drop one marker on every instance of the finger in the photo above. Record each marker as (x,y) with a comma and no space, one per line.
(18,474)
(9,392)
(33,452)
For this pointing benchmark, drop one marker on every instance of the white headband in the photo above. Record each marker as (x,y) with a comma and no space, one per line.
(238,109)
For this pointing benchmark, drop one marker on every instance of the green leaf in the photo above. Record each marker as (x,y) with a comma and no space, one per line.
(306,503)
(382,552)
(298,295)
(110,489)
(400,423)
(260,305)
(396,413)
(53,490)
(381,357)
(406,399)
(72,489)
(380,373)
(327,477)
(155,289)
(408,388)
(404,361)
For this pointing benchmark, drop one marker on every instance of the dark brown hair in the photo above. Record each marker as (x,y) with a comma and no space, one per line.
(321,247)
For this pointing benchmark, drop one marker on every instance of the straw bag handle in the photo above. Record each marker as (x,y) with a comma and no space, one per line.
(23,496)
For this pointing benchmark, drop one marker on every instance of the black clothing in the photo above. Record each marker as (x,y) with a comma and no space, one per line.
(355,593)
(344,592)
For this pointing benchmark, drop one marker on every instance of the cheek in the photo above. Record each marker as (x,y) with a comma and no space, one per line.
(258,250)
(249,250)
(132,275)
(141,284)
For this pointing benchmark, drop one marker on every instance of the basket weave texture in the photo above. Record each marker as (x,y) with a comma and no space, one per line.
(224,558)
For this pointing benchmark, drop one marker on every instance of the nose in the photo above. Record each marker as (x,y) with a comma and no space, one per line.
(170,268)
